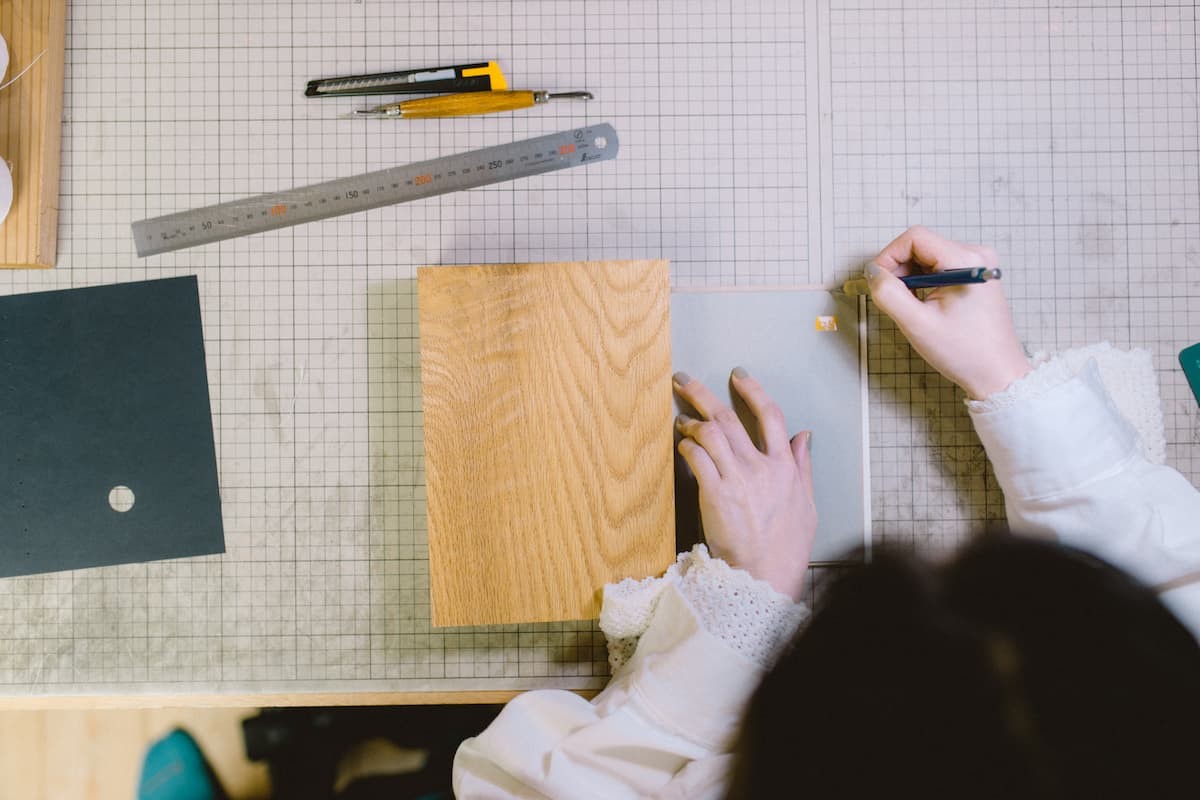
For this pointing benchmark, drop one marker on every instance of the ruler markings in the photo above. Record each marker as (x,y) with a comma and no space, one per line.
(401,184)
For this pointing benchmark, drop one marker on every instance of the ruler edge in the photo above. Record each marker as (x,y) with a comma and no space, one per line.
(611,151)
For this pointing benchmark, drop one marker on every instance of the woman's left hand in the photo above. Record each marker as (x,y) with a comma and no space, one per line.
(756,505)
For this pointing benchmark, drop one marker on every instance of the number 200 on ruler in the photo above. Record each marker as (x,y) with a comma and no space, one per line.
(469,170)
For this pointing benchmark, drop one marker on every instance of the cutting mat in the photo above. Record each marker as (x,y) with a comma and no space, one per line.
(763,142)
(31,127)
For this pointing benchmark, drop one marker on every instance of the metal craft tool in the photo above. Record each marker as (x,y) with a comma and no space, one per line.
(482,77)
(453,173)
(469,104)
(930,280)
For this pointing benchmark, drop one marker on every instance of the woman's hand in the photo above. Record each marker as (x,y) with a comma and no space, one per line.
(964,332)
(756,505)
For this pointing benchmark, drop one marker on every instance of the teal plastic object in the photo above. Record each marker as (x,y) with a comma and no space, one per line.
(175,769)
(1189,359)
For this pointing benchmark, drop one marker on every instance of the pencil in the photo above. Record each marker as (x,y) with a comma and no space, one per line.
(929,280)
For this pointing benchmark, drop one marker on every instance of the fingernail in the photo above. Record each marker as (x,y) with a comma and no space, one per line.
(740,372)
(681,378)
(808,441)
(872,270)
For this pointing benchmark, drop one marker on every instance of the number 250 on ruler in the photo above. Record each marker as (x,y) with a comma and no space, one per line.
(266,212)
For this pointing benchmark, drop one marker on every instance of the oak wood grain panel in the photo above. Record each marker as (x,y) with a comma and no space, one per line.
(548,443)
(31,129)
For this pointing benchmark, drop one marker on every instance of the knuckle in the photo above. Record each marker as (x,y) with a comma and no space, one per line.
(725,417)
(705,432)
(773,414)
(978,255)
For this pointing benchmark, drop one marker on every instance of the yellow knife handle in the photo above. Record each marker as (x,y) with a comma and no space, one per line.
(466,104)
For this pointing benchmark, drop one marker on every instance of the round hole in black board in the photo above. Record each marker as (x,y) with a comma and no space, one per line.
(120,499)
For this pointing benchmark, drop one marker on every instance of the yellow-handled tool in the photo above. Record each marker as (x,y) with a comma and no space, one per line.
(468,104)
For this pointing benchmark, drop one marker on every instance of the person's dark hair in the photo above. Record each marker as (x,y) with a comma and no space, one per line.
(1021,668)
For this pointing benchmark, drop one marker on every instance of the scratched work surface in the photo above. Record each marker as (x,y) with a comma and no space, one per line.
(761,143)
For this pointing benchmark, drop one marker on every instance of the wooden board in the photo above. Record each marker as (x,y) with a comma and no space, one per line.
(31,129)
(274,701)
(262,700)
(548,440)
(84,754)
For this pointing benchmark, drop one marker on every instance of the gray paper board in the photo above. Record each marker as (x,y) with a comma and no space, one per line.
(815,376)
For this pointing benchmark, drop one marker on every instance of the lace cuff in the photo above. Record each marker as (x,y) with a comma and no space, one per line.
(747,614)
(1128,377)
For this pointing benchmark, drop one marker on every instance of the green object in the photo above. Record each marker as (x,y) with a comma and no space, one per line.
(1189,359)
(175,769)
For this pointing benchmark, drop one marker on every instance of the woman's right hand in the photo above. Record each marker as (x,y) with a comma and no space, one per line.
(964,332)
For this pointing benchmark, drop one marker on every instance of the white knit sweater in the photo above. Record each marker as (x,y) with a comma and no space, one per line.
(1077,447)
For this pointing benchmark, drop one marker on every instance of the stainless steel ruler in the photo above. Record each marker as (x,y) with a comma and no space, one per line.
(386,187)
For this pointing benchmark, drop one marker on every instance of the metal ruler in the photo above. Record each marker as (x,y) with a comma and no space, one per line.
(386,187)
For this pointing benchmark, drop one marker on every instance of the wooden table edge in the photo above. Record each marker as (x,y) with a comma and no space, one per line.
(267,700)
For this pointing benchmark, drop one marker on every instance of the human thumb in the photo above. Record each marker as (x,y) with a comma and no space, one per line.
(893,297)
